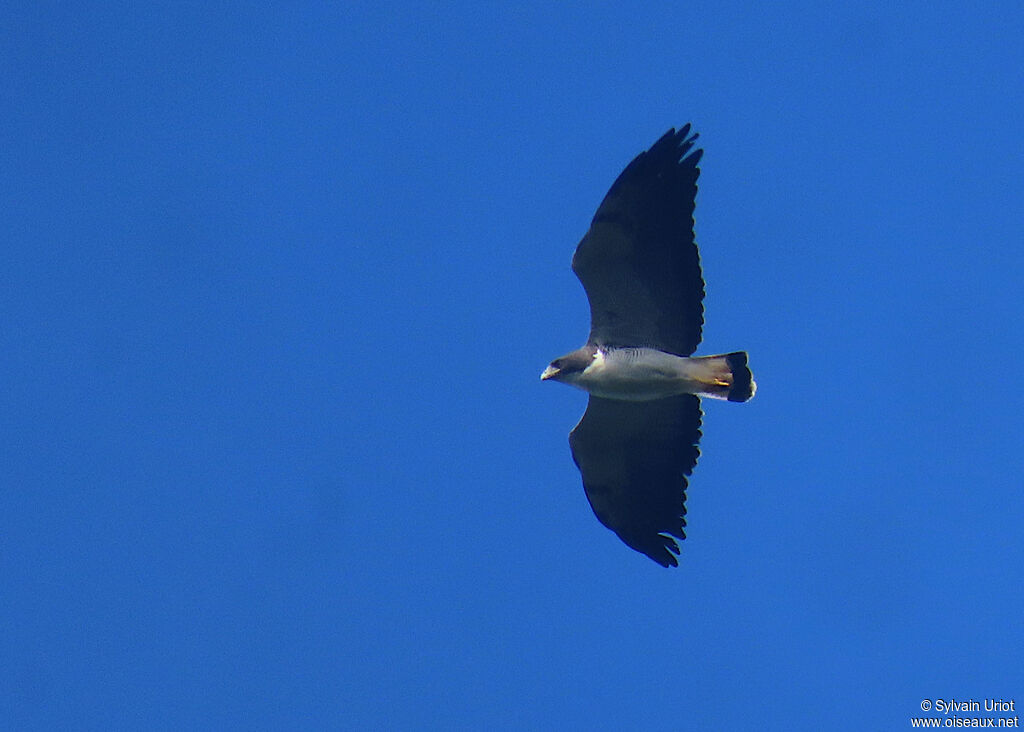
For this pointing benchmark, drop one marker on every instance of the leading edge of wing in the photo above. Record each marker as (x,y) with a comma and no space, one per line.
(634,458)
(639,262)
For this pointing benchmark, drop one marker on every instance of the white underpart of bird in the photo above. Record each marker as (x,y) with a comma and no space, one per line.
(643,374)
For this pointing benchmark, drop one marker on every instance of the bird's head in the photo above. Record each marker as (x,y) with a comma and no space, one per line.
(567,368)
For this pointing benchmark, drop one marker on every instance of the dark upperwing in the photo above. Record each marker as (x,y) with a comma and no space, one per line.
(634,458)
(639,262)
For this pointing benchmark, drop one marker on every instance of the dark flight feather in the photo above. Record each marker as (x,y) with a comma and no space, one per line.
(634,458)
(638,262)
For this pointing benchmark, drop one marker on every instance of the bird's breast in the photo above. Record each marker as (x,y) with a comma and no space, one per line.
(636,374)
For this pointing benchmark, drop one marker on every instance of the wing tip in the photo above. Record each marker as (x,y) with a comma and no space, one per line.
(660,548)
(667,554)
(682,141)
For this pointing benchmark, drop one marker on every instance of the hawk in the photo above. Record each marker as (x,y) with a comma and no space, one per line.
(637,441)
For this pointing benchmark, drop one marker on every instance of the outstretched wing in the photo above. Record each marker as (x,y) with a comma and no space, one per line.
(634,458)
(639,262)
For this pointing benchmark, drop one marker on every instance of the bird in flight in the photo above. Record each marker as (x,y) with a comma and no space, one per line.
(637,441)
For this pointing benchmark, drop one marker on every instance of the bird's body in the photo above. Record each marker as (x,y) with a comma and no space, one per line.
(637,442)
(643,374)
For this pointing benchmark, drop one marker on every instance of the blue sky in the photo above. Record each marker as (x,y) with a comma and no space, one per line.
(277,286)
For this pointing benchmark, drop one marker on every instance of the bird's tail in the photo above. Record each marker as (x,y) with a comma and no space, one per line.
(726,376)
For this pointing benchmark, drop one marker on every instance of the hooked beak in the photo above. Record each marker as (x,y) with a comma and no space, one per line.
(549,372)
